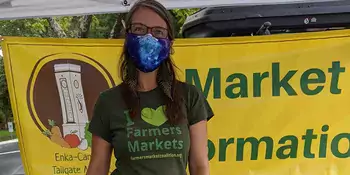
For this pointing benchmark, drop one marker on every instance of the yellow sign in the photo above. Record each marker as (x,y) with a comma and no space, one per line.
(281,102)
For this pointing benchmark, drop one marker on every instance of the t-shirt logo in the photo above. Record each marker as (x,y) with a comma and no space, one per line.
(154,117)
(128,119)
(155,141)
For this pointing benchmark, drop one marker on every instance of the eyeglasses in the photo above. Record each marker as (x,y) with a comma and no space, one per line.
(141,29)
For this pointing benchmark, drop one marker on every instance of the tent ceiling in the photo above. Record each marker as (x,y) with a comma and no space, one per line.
(14,9)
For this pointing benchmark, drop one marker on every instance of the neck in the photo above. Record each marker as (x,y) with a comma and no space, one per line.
(147,81)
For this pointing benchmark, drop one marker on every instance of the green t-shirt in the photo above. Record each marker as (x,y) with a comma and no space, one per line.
(148,144)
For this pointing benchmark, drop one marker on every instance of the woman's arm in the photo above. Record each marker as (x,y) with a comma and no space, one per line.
(100,157)
(198,160)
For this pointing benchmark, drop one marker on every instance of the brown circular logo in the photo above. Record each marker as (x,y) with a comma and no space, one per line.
(61,94)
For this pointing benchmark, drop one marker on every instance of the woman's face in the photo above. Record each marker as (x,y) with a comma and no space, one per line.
(146,21)
(151,19)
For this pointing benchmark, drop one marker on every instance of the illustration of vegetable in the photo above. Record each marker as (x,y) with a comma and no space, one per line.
(47,133)
(55,130)
(83,145)
(88,135)
(72,139)
(56,139)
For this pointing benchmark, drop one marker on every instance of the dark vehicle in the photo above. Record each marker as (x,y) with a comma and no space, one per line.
(268,19)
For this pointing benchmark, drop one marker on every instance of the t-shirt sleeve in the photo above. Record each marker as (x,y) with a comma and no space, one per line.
(199,108)
(99,124)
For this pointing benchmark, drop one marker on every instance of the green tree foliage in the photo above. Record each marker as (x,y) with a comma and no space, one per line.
(89,26)
(5,106)
(180,16)
(25,27)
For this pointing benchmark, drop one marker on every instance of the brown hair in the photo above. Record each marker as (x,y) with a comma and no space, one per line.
(166,76)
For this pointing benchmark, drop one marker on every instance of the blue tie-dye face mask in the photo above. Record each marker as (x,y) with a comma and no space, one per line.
(147,52)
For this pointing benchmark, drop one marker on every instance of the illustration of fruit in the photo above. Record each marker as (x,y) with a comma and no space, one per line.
(55,130)
(56,139)
(83,145)
(72,139)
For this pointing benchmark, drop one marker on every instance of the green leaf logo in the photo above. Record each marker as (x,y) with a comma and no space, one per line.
(154,117)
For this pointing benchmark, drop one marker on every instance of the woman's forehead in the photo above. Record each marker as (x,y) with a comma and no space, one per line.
(148,17)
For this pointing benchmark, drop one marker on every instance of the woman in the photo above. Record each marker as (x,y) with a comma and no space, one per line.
(155,124)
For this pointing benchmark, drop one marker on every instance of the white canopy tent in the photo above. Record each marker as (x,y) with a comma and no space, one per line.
(14,9)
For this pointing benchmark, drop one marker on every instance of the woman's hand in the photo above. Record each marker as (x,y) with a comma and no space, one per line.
(198,160)
(100,157)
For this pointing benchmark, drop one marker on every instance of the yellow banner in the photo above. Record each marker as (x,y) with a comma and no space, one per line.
(281,102)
